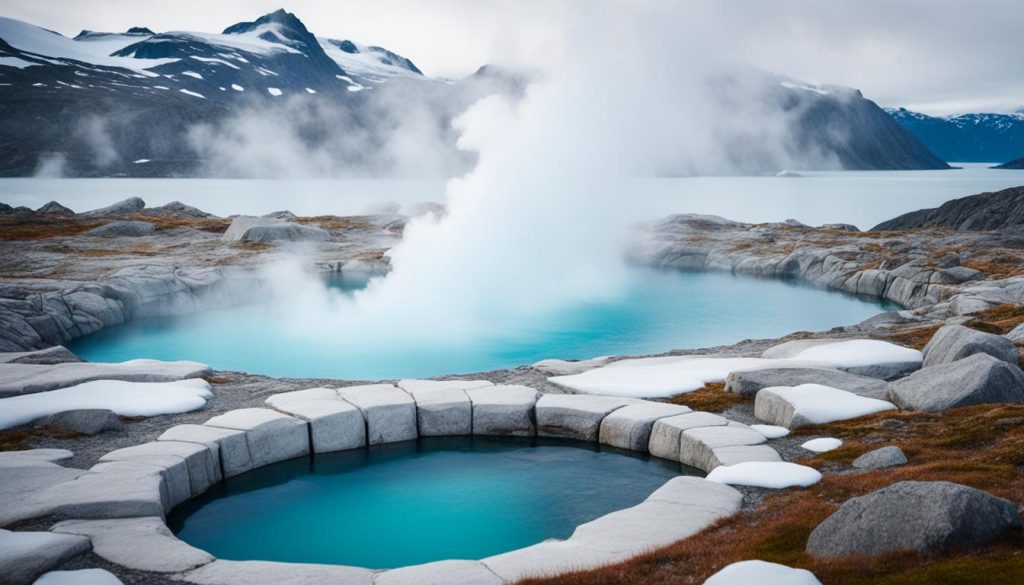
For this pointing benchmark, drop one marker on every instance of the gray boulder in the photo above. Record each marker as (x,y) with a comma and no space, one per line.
(24,556)
(55,208)
(87,421)
(262,229)
(923,516)
(890,456)
(123,229)
(955,342)
(176,209)
(283,214)
(978,379)
(749,382)
(126,207)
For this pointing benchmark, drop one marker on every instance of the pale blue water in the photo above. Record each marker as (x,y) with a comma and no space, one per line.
(659,311)
(416,502)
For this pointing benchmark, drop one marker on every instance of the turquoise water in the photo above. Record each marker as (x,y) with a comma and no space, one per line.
(416,502)
(658,311)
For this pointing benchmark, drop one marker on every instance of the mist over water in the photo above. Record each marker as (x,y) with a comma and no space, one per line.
(540,221)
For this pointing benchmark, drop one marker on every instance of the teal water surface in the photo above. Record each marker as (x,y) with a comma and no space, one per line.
(659,310)
(419,501)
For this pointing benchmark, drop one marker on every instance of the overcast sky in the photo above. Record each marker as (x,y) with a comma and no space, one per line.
(936,56)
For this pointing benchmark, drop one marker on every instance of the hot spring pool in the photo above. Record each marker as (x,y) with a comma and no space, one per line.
(419,501)
(658,311)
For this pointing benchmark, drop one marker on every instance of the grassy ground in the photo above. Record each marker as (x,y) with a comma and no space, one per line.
(980,446)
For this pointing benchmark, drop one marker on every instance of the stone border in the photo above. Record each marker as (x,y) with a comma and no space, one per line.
(121,503)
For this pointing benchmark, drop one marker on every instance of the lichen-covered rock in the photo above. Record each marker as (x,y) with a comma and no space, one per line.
(978,379)
(923,516)
(955,342)
(890,456)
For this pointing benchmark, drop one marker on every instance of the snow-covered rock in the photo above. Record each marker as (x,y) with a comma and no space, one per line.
(18,378)
(822,445)
(79,577)
(761,572)
(812,404)
(766,474)
(124,398)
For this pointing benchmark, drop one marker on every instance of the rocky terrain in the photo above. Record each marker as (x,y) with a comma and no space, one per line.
(1017,163)
(1001,211)
(885,451)
(980,137)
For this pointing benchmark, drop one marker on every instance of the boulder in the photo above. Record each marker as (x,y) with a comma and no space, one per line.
(335,425)
(574,416)
(665,432)
(230,446)
(123,229)
(55,208)
(503,410)
(812,404)
(630,426)
(142,544)
(262,229)
(24,556)
(890,456)
(955,342)
(749,382)
(176,209)
(129,206)
(978,379)
(864,357)
(87,421)
(270,435)
(750,572)
(390,412)
(924,516)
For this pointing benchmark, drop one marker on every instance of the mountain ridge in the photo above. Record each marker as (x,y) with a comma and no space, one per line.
(973,137)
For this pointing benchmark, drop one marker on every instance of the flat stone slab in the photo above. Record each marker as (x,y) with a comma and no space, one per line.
(171,474)
(271,435)
(575,416)
(923,516)
(222,572)
(677,510)
(17,379)
(47,455)
(442,408)
(229,445)
(143,544)
(106,494)
(24,556)
(697,445)
(57,354)
(453,572)
(79,577)
(319,393)
(20,481)
(503,410)
(335,424)
(87,421)
(978,379)
(630,427)
(390,412)
(569,367)
(955,342)
(666,432)
(749,382)
(813,404)
(202,468)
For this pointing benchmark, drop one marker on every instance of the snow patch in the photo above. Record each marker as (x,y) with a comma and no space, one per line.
(237,87)
(79,577)
(192,93)
(16,62)
(822,445)
(823,404)
(141,161)
(310,91)
(124,398)
(767,474)
(192,74)
(274,91)
(771,431)
(750,572)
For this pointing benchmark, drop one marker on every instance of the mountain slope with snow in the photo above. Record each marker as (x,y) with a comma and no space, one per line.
(967,137)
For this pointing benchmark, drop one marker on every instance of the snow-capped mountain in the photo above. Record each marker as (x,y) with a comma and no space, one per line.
(967,137)
(145,103)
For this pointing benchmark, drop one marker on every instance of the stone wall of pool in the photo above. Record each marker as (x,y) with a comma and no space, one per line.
(122,502)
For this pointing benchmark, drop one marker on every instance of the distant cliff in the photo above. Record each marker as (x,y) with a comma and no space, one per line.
(983,212)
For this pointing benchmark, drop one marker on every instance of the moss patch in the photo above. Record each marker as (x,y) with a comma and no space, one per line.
(711,398)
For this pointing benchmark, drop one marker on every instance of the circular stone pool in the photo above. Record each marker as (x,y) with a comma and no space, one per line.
(418,501)
(658,310)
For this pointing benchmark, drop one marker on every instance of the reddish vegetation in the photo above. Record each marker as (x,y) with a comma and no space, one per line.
(711,398)
(980,446)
